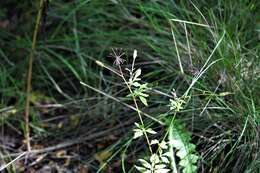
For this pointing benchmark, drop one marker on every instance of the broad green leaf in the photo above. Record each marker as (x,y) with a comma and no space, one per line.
(179,139)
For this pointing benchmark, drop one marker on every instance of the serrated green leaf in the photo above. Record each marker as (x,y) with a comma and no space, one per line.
(179,139)
(177,143)
(182,153)
(190,169)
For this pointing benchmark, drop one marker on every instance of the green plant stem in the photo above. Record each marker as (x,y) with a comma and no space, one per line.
(137,108)
(171,150)
(120,75)
(29,77)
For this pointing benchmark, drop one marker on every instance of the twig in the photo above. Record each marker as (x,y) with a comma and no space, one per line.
(18,157)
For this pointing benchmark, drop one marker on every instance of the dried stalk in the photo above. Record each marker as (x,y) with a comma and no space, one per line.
(29,76)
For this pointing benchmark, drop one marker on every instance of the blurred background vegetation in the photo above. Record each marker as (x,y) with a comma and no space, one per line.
(76,129)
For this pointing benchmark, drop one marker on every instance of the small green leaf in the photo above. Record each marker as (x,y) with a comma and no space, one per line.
(155,141)
(163,145)
(143,94)
(138,133)
(136,84)
(143,100)
(137,73)
(154,159)
(151,131)
(162,171)
(165,159)
(160,166)
(139,168)
(135,54)
(137,125)
(145,163)
(223,94)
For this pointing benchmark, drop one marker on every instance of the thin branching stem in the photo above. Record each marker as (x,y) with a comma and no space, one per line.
(137,108)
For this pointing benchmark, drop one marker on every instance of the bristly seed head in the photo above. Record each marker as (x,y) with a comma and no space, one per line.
(117,55)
